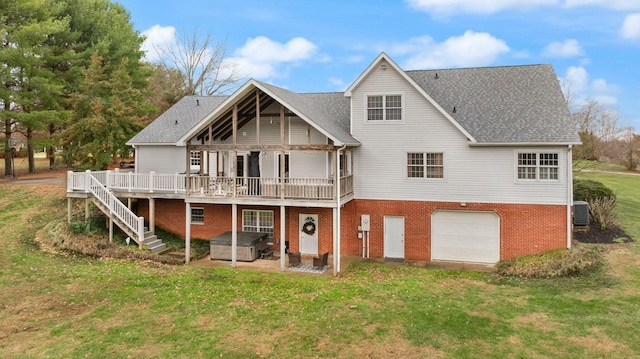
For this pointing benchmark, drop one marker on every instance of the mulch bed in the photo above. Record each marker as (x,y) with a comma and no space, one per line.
(596,235)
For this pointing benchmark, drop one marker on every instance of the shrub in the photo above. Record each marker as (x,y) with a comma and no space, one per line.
(586,190)
(579,260)
(602,211)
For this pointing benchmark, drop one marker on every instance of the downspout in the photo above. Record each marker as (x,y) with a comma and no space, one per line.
(336,247)
(569,194)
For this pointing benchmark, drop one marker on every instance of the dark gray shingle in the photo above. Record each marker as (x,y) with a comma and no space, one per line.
(509,104)
(169,127)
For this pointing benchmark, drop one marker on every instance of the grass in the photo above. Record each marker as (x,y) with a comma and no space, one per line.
(61,305)
(598,166)
(627,190)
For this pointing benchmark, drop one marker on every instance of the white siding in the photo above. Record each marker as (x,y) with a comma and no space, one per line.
(161,159)
(472,174)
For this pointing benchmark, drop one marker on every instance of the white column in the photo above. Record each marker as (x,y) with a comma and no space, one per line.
(234,234)
(152,215)
(336,243)
(187,245)
(283,236)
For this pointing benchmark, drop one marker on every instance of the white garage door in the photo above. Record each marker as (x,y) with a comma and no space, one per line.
(465,236)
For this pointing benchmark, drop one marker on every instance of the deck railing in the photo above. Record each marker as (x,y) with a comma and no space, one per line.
(205,186)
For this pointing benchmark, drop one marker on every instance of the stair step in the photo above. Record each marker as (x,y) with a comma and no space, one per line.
(156,247)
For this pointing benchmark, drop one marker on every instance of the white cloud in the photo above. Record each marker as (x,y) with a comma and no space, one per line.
(157,36)
(470,49)
(566,48)
(609,4)
(337,83)
(631,27)
(449,7)
(486,7)
(263,58)
(581,88)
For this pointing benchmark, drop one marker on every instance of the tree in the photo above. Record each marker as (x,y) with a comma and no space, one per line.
(107,111)
(29,90)
(201,63)
(46,45)
(165,87)
(599,129)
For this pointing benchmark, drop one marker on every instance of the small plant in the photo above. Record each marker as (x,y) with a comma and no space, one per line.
(603,211)
(579,260)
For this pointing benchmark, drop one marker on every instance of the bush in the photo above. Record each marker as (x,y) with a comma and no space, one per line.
(586,190)
(602,211)
(579,260)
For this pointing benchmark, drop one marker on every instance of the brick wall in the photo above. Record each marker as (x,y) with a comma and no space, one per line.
(525,229)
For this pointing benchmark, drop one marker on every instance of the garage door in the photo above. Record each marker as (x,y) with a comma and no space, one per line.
(465,236)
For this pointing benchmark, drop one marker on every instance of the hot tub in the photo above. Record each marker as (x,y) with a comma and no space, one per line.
(250,245)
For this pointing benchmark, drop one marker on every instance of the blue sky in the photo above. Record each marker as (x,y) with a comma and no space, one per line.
(321,46)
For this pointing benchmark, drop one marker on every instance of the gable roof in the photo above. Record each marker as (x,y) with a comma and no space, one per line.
(327,112)
(503,105)
(494,105)
(174,123)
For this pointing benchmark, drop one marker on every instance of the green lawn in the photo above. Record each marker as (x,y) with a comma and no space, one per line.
(60,305)
(627,190)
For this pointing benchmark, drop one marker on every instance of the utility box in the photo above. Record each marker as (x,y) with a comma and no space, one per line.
(364,222)
(580,213)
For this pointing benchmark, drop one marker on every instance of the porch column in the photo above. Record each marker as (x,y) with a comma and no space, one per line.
(187,239)
(152,214)
(129,201)
(283,237)
(234,234)
(336,252)
(110,227)
(69,212)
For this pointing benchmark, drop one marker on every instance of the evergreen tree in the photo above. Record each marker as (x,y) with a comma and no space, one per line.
(107,111)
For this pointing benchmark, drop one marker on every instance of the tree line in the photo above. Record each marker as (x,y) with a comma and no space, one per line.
(73,79)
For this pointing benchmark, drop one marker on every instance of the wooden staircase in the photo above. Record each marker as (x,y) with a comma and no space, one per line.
(124,218)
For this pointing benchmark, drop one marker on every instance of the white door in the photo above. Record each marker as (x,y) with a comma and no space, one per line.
(465,236)
(393,237)
(309,234)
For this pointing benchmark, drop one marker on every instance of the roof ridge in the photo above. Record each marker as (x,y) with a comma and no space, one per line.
(478,67)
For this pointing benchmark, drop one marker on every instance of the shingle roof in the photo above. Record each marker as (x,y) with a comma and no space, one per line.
(495,105)
(329,111)
(510,104)
(177,120)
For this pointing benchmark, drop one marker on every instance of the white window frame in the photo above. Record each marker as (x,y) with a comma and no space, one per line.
(195,159)
(425,166)
(384,107)
(261,223)
(193,215)
(541,169)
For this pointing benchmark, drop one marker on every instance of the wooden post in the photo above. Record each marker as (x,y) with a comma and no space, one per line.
(152,214)
(257,116)
(283,236)
(234,234)
(69,212)
(282,153)
(187,244)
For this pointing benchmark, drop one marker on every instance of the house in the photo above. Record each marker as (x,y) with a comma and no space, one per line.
(465,165)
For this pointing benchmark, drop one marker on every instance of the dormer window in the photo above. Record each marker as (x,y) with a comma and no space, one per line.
(384,108)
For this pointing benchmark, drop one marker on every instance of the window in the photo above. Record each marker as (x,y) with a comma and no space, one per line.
(195,158)
(384,108)
(425,165)
(197,215)
(538,166)
(258,221)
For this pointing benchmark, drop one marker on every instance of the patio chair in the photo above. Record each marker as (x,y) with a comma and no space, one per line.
(321,261)
(294,259)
